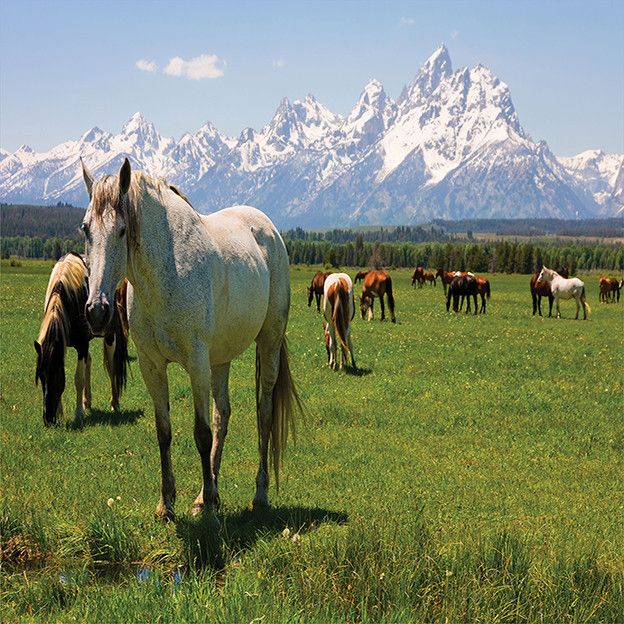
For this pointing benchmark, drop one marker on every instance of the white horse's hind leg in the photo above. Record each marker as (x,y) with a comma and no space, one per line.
(220,415)
(79,382)
(268,355)
(154,374)
(578,306)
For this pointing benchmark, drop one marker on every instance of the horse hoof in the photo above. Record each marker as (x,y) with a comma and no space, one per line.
(260,504)
(164,514)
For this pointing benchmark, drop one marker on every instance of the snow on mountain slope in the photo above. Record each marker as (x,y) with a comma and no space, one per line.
(598,173)
(451,146)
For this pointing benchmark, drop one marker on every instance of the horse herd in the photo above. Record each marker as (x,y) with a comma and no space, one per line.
(180,283)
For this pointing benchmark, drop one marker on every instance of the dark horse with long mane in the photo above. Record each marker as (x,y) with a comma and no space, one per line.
(377,284)
(315,289)
(64,325)
(462,286)
(542,289)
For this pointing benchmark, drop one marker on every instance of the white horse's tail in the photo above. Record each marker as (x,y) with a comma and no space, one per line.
(587,308)
(286,405)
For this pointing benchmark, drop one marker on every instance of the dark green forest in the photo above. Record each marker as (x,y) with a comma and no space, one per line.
(51,231)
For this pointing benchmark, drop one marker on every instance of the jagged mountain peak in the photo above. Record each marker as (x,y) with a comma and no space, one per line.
(435,69)
(452,147)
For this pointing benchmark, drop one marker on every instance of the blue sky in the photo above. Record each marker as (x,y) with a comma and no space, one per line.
(66,66)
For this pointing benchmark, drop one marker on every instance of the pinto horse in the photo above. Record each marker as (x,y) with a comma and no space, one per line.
(377,284)
(64,325)
(194,277)
(315,289)
(417,276)
(338,310)
(462,286)
(543,290)
(563,288)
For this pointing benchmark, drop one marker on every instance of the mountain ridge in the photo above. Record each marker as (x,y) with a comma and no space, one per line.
(451,146)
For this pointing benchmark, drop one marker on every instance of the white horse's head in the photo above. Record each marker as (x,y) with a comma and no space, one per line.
(105,228)
(545,275)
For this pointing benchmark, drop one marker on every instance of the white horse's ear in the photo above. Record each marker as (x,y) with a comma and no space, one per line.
(87,177)
(125,175)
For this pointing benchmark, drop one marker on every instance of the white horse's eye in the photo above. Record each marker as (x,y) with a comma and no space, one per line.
(122,232)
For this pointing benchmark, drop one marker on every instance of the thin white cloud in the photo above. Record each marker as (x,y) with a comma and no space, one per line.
(407,21)
(146,66)
(278,63)
(198,68)
(455,34)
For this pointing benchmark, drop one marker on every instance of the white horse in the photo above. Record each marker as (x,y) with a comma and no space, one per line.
(338,310)
(562,288)
(205,287)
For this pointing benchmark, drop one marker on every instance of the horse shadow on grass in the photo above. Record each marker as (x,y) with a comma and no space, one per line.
(356,372)
(207,543)
(99,417)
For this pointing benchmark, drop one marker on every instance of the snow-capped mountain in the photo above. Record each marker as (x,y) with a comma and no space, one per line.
(602,175)
(451,146)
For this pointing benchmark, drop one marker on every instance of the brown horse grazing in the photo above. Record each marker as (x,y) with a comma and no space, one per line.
(483,289)
(543,290)
(377,284)
(429,277)
(316,288)
(64,325)
(462,286)
(417,276)
(338,310)
(360,276)
(610,289)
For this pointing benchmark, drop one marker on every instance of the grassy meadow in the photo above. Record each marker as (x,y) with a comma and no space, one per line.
(471,471)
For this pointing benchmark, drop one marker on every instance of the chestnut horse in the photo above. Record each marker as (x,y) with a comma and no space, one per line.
(429,277)
(446,277)
(360,276)
(483,289)
(543,290)
(315,289)
(417,276)
(609,289)
(338,310)
(377,284)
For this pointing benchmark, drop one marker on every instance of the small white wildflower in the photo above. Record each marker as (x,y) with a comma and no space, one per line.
(286,532)
(110,502)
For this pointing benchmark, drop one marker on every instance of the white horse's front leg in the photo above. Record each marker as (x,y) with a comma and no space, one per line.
(208,497)
(79,382)
(154,373)
(109,364)
(557,307)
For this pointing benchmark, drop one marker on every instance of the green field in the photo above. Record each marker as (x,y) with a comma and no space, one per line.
(471,472)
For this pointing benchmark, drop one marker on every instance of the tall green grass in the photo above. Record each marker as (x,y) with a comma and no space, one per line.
(471,471)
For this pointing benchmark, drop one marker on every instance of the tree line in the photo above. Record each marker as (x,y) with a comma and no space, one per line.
(496,257)
(499,257)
